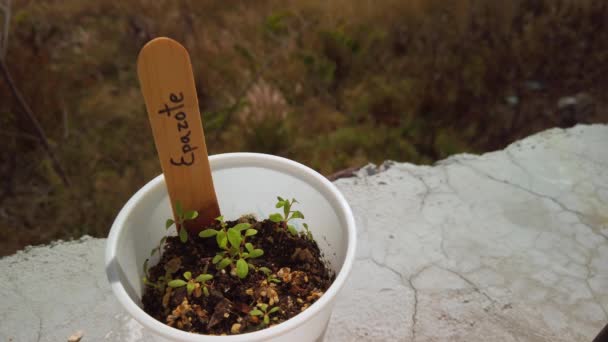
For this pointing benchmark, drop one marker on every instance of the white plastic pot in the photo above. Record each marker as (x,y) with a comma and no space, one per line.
(245,183)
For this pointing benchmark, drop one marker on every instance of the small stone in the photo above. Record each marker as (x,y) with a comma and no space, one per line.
(298,278)
(314,296)
(179,316)
(249,292)
(76,337)
(236,328)
(285,274)
(273,296)
(226,315)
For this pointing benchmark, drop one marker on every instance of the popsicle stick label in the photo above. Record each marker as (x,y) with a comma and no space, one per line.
(167,83)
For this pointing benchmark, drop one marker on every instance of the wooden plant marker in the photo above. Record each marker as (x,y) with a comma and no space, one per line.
(167,84)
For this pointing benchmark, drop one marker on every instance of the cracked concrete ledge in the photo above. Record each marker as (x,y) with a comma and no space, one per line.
(508,246)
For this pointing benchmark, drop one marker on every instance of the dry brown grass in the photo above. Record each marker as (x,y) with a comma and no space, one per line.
(332,84)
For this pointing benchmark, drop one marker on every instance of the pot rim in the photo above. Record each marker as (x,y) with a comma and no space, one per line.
(223,161)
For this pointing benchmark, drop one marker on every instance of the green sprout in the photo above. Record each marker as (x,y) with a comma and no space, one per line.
(308,232)
(265,312)
(171,267)
(288,214)
(269,275)
(190,282)
(235,248)
(182,217)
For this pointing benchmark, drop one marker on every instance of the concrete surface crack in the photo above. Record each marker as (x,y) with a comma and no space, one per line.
(514,161)
(385,266)
(39,327)
(427,188)
(470,283)
(591,291)
(442,242)
(415,313)
(578,214)
(410,281)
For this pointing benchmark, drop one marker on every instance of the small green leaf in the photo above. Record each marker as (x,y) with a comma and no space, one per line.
(205,291)
(190,287)
(256,253)
(266,319)
(177,283)
(203,278)
(275,280)
(220,219)
(179,210)
(251,232)
(276,217)
(265,270)
(263,306)
(249,247)
(191,215)
(183,235)
(221,239)
(217,258)
(241,226)
(280,204)
(242,268)
(225,262)
(207,233)
(256,312)
(187,275)
(287,209)
(280,199)
(292,229)
(169,223)
(234,236)
(297,214)
(245,255)
(275,309)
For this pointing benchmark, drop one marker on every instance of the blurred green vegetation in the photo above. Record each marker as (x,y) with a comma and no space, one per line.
(332,84)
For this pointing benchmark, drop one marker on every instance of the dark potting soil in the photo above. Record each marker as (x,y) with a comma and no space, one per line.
(298,277)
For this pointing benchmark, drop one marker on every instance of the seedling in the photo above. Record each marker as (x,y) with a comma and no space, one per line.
(190,282)
(269,275)
(235,248)
(182,216)
(171,267)
(308,232)
(264,312)
(288,214)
